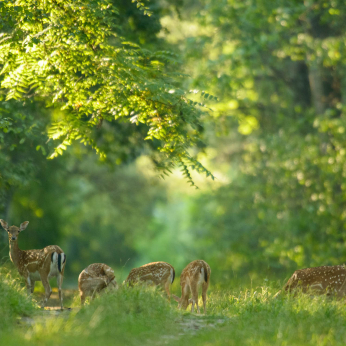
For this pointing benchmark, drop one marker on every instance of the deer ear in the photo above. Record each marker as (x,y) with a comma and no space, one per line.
(23,225)
(4,224)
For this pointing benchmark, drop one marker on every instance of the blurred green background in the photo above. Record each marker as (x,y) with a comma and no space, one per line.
(275,141)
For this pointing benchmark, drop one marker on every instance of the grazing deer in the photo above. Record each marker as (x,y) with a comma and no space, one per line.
(329,280)
(157,273)
(195,274)
(36,265)
(95,278)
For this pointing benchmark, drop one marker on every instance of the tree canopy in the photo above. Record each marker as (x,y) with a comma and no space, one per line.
(73,56)
(275,139)
(278,67)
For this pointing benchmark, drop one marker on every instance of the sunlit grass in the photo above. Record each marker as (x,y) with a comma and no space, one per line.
(14,301)
(126,316)
(143,316)
(253,317)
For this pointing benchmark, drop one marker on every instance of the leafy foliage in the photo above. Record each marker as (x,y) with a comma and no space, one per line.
(72,56)
(276,140)
(22,147)
(279,131)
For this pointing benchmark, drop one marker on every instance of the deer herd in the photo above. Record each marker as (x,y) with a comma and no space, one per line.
(49,262)
(41,265)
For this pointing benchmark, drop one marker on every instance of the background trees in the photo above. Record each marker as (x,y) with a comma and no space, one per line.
(73,55)
(279,67)
(275,139)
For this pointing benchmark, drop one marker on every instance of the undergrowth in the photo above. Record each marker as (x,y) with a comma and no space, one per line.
(141,316)
(254,317)
(14,301)
(122,317)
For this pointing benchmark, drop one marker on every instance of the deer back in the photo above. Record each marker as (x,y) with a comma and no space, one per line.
(37,260)
(197,271)
(156,272)
(325,279)
(96,277)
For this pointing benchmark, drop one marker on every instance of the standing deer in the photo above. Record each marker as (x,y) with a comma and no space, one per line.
(157,273)
(36,265)
(95,278)
(195,274)
(330,280)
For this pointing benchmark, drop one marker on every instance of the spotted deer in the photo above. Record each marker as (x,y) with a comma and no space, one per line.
(157,273)
(94,279)
(329,280)
(36,265)
(195,274)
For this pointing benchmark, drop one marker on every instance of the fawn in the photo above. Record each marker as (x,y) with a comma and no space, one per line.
(36,265)
(328,280)
(195,274)
(157,273)
(95,278)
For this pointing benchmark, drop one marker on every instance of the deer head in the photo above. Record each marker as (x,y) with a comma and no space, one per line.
(178,300)
(13,231)
(111,285)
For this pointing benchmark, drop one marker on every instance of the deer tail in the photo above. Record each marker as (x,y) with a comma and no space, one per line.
(59,260)
(172,275)
(205,270)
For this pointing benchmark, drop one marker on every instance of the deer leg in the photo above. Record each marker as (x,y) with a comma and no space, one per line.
(204,295)
(59,280)
(82,298)
(93,296)
(32,286)
(167,289)
(341,292)
(47,289)
(177,299)
(28,284)
(98,284)
(194,291)
(184,300)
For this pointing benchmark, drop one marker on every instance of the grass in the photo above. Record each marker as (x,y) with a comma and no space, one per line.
(252,317)
(144,317)
(14,302)
(123,317)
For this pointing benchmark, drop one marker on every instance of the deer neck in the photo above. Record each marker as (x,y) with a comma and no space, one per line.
(15,252)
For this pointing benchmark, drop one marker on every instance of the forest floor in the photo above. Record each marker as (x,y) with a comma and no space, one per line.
(189,324)
(144,317)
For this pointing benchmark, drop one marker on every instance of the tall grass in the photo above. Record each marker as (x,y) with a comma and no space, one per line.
(141,316)
(253,317)
(14,301)
(122,317)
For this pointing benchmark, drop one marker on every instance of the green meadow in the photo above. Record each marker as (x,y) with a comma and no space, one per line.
(139,315)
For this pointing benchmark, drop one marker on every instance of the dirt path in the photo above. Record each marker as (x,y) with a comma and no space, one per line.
(52,310)
(188,324)
(54,302)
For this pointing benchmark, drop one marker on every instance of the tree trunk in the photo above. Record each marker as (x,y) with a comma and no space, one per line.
(316,87)
(343,87)
(7,204)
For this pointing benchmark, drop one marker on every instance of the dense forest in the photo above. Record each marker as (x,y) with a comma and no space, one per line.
(141,131)
(112,113)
